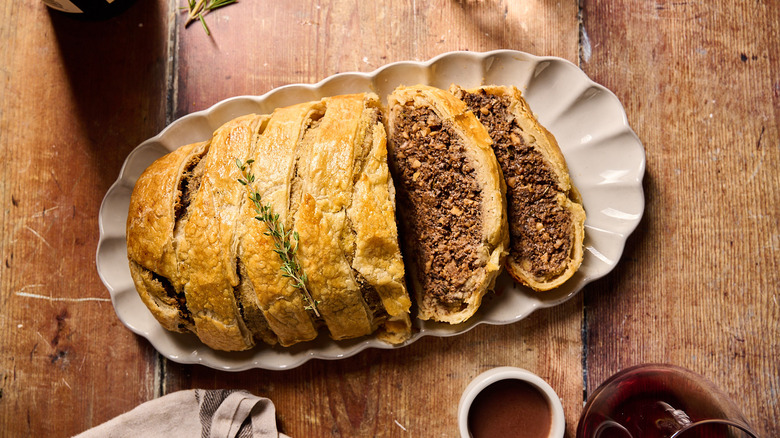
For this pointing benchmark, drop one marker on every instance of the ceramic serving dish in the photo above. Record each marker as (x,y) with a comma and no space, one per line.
(606,161)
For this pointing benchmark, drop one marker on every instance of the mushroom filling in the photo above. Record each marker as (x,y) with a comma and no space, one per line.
(539,227)
(441,204)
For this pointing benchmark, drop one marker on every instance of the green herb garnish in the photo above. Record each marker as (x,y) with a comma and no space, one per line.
(285,242)
(197,9)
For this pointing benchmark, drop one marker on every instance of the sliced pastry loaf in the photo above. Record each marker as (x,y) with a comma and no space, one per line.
(546,216)
(451,202)
(204,260)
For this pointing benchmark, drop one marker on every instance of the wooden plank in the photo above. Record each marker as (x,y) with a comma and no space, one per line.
(698,286)
(257,46)
(410,391)
(76,98)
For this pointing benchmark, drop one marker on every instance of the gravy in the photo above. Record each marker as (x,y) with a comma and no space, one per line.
(510,408)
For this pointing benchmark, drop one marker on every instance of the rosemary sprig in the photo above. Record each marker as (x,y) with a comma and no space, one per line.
(197,9)
(285,242)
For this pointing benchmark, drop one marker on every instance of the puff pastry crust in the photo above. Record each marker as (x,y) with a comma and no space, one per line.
(345,211)
(151,229)
(203,263)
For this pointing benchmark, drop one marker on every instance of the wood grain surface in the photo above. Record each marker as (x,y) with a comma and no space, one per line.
(698,284)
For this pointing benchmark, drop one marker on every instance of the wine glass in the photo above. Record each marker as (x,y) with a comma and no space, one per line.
(661,401)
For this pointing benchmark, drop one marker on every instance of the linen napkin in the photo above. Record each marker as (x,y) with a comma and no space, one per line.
(195,413)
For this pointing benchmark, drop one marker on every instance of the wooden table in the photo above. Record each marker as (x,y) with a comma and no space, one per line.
(698,284)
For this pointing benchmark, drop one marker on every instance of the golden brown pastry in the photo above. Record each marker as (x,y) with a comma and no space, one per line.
(282,305)
(207,249)
(202,262)
(159,199)
(342,194)
(452,206)
(180,237)
(546,216)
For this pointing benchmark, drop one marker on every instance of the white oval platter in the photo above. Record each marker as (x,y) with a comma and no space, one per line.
(606,161)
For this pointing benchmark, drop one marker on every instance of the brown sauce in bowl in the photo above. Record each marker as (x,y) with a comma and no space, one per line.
(510,408)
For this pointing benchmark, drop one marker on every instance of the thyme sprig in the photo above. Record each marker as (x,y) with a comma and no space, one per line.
(285,241)
(197,9)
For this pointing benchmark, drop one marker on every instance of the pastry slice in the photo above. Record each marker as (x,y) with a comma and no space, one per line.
(274,166)
(208,245)
(546,216)
(159,201)
(376,257)
(344,214)
(451,201)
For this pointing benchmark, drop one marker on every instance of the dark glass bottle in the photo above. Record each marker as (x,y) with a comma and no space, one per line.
(89,9)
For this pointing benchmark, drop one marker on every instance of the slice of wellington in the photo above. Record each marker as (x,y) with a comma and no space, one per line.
(546,216)
(157,209)
(330,157)
(208,251)
(377,261)
(275,161)
(450,201)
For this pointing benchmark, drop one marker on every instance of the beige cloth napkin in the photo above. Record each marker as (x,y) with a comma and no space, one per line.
(195,413)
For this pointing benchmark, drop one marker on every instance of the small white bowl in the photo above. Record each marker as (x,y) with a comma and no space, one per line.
(482,381)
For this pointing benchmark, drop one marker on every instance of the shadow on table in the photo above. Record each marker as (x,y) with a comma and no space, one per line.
(117,74)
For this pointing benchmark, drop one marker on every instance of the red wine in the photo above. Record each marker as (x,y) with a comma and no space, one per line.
(657,402)
(89,9)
